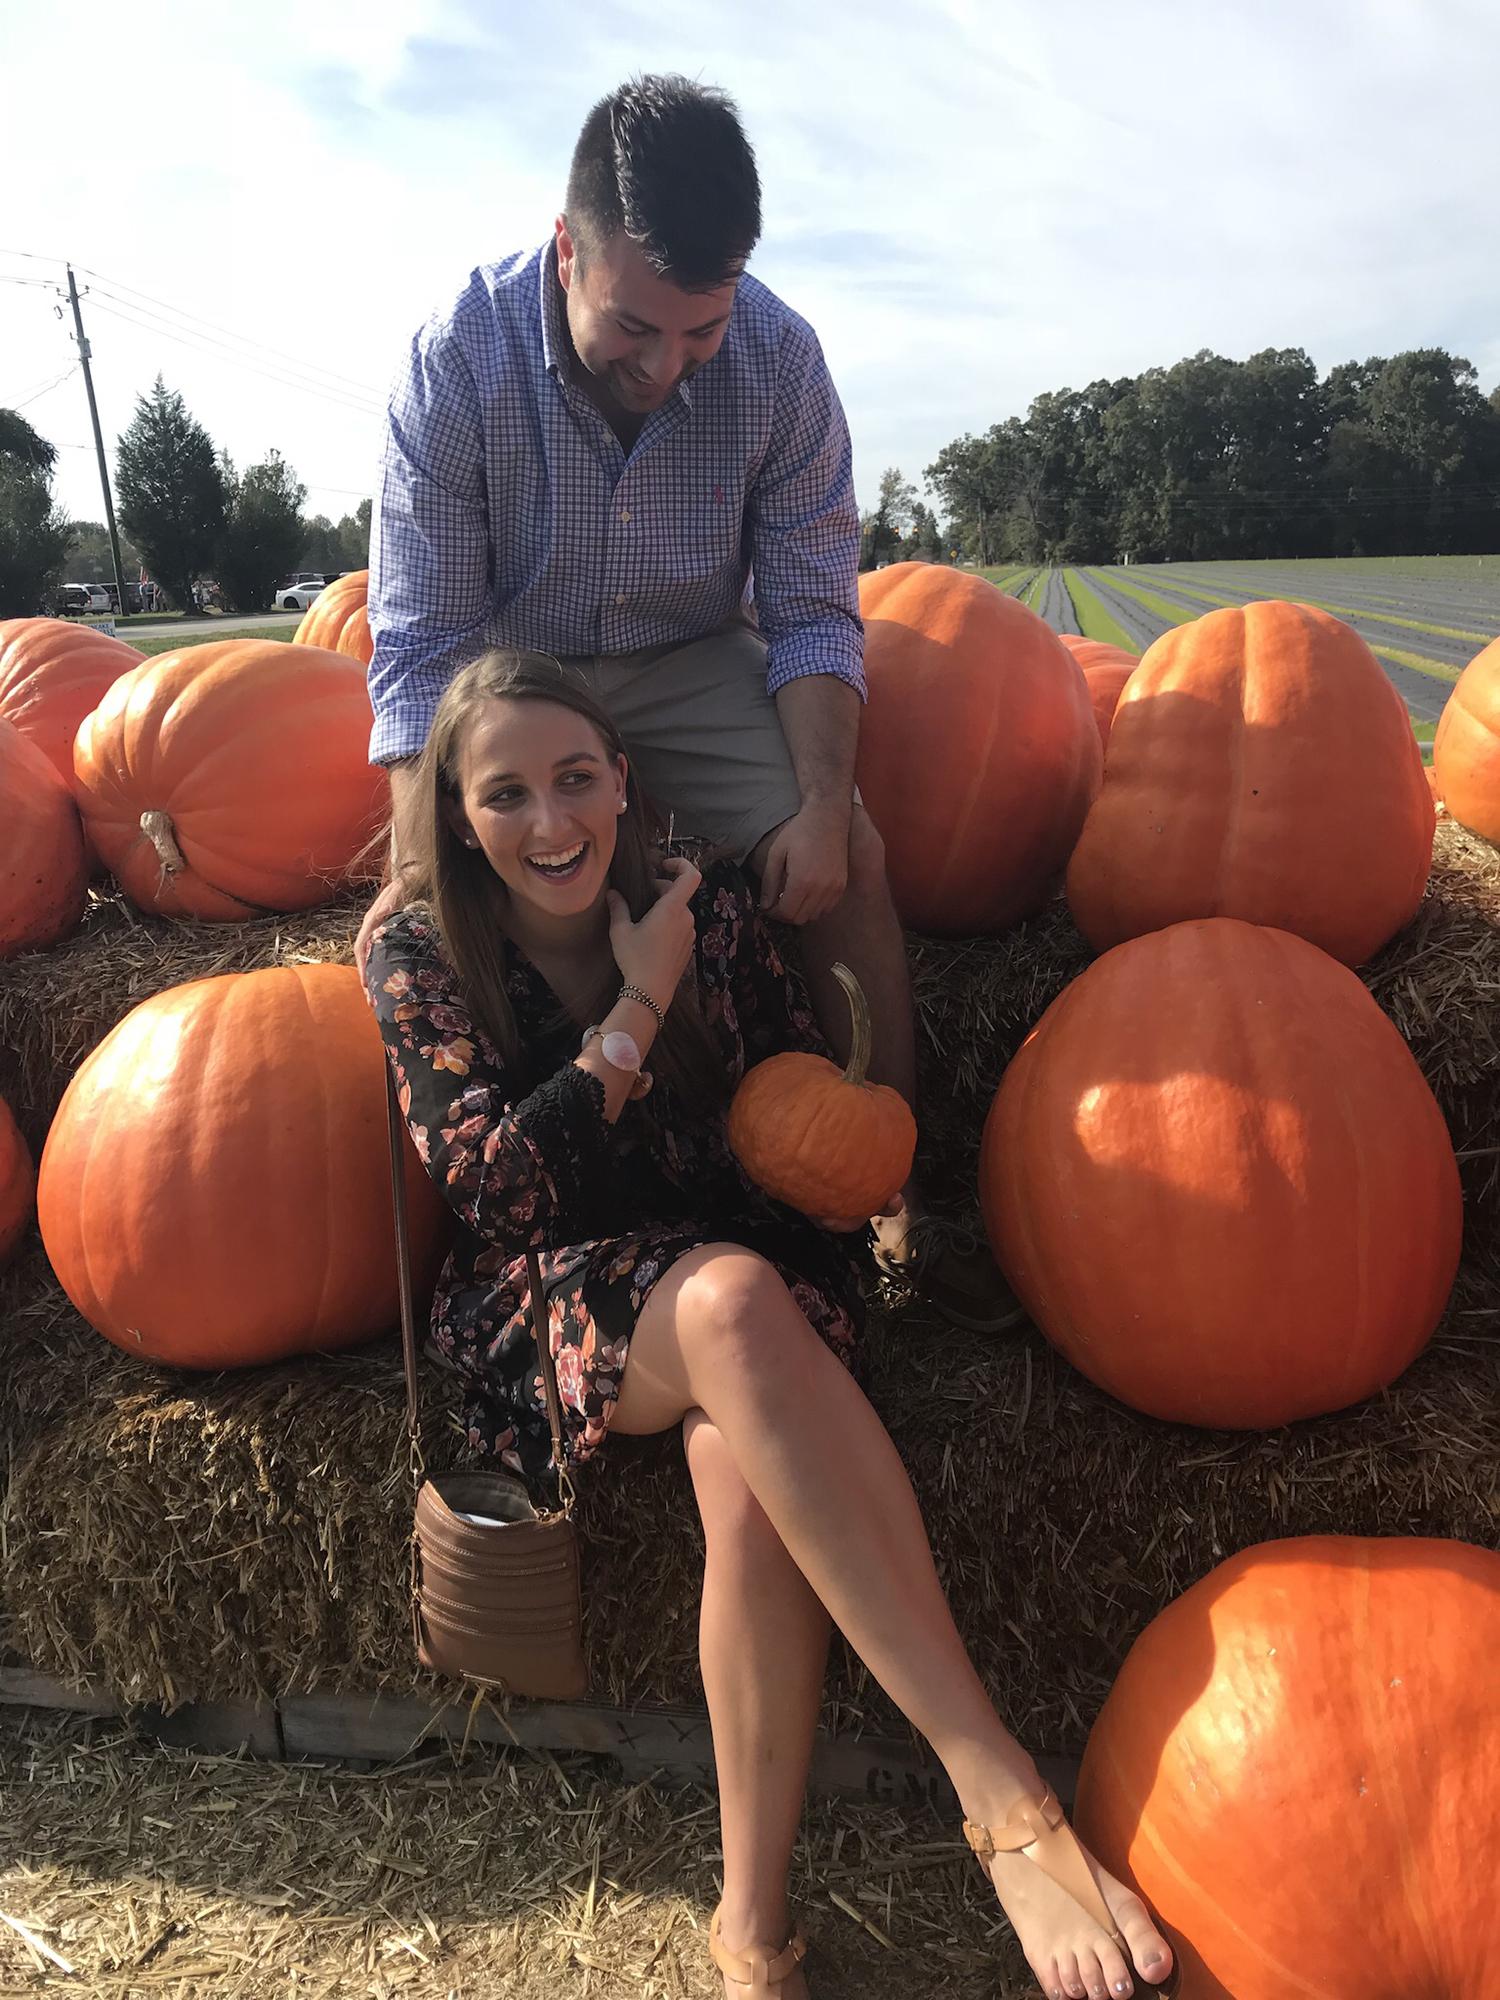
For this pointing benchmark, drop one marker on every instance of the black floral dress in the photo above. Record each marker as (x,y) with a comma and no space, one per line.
(530,1162)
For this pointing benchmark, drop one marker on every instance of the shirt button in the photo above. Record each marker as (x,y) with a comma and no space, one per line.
(624,513)
(619,597)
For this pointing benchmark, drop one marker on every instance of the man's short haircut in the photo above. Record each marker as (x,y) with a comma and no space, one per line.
(667,161)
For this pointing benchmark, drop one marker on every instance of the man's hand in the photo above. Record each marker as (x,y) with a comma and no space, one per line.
(391,898)
(807,865)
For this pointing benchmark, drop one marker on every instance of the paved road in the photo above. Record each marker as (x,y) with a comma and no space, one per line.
(161,628)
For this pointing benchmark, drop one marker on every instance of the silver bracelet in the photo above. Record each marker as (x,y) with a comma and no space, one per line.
(635,993)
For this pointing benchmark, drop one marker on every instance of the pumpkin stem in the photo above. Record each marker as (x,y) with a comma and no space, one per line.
(859,1011)
(158,829)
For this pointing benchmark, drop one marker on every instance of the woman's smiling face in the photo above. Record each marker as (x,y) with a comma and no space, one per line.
(541,795)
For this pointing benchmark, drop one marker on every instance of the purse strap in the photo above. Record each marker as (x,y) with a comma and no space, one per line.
(396,1126)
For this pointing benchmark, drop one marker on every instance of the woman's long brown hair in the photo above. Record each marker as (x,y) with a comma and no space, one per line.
(467,899)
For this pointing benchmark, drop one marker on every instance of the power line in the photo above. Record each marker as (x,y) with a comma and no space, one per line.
(160,306)
(196,344)
(36,395)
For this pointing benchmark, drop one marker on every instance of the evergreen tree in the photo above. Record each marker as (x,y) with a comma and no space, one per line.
(171,490)
(263,532)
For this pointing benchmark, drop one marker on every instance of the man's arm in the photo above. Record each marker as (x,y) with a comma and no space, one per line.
(805,553)
(429,545)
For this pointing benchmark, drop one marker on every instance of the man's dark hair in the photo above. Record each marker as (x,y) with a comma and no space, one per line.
(667,161)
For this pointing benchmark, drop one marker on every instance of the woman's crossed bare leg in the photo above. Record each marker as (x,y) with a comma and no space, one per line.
(721,1334)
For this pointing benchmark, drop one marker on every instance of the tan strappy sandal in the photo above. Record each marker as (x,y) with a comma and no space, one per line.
(759,1969)
(1039,1825)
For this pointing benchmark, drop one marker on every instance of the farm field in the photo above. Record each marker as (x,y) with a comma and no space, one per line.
(1424,617)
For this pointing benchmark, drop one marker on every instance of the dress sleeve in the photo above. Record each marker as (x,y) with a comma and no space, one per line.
(523,1172)
(759,994)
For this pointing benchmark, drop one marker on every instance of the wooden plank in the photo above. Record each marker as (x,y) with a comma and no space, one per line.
(222,1727)
(882,1770)
(385,1728)
(20,1687)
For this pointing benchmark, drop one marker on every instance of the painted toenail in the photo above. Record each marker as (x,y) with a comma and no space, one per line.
(1122,1986)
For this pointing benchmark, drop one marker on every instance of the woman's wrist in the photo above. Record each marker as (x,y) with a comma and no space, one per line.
(635,990)
(637,1018)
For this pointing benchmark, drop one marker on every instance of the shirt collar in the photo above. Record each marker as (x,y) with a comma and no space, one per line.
(555,343)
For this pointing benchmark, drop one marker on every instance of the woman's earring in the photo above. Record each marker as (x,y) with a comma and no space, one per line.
(622,805)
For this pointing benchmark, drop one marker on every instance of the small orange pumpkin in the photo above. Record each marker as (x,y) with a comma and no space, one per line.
(232,777)
(17,1183)
(338,618)
(52,673)
(1466,747)
(819,1138)
(43,875)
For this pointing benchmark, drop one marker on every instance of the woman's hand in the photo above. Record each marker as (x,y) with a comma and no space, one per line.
(654,953)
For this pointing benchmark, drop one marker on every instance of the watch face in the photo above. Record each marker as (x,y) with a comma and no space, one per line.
(620,1051)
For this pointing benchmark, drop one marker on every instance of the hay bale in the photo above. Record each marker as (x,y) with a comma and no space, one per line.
(225,1538)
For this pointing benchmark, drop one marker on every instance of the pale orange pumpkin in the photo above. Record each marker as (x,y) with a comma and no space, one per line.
(339,619)
(17,1183)
(52,673)
(1299,1767)
(1219,1182)
(215,1189)
(1466,747)
(978,752)
(821,1139)
(1097,652)
(232,777)
(1260,766)
(43,874)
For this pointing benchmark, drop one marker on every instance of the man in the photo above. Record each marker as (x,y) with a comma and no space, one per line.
(589,455)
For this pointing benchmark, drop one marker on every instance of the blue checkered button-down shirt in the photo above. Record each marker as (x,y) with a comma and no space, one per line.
(508,514)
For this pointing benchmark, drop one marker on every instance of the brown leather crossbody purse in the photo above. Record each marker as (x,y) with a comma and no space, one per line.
(494,1581)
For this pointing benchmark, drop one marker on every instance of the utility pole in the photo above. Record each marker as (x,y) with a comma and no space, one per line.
(109,505)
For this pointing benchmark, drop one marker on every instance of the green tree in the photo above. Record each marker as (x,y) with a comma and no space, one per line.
(92,558)
(885,527)
(35,535)
(263,531)
(171,488)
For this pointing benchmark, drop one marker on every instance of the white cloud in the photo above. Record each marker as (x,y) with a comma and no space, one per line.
(971,203)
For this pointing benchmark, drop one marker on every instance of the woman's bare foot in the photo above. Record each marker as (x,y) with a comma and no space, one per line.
(1070,1955)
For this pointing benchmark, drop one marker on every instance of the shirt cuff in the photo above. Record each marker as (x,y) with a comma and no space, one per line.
(826,652)
(397,734)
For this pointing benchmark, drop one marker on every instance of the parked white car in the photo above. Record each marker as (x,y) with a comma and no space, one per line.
(297,596)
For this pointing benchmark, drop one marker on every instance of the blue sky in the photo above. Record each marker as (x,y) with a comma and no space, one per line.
(971,202)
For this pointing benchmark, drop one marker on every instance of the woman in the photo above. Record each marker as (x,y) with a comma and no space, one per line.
(567,1012)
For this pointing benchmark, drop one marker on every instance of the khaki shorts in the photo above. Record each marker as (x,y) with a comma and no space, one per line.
(702,733)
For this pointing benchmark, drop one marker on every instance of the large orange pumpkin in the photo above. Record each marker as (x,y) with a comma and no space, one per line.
(231,777)
(43,875)
(978,754)
(17,1183)
(1260,766)
(1466,748)
(1220,1183)
(338,618)
(214,1190)
(52,673)
(1299,1766)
